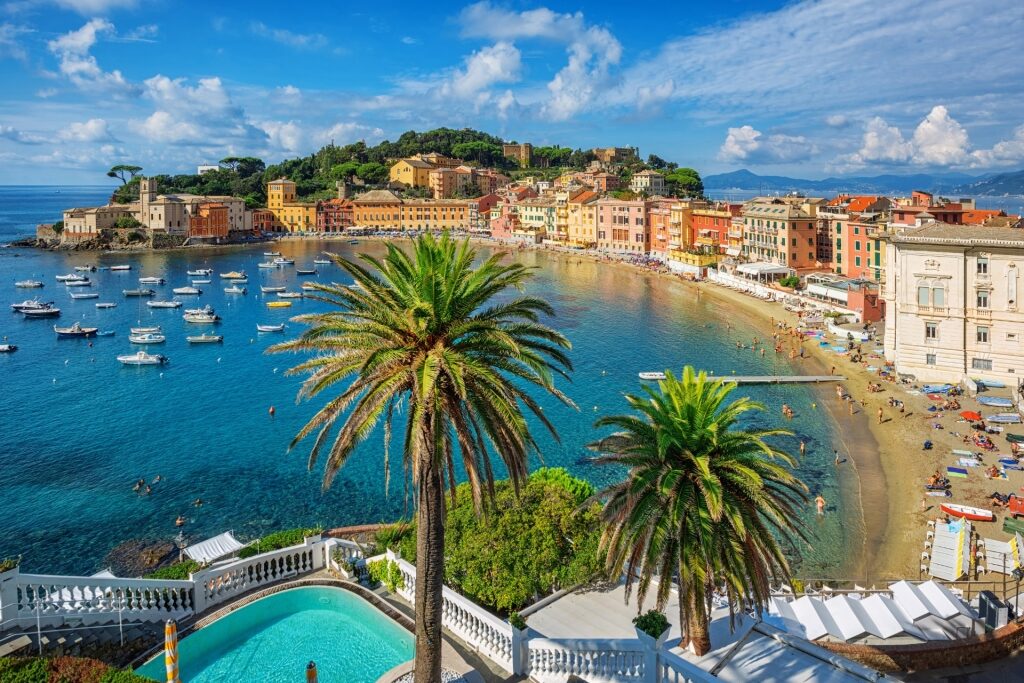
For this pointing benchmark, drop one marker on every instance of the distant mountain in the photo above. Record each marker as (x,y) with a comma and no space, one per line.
(1011,183)
(881,184)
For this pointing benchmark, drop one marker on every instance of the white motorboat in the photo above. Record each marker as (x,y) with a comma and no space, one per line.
(281,261)
(152,329)
(86,269)
(30,304)
(235,289)
(204,281)
(86,295)
(45,312)
(187,290)
(289,295)
(105,333)
(106,304)
(201,318)
(121,267)
(205,310)
(68,276)
(271,254)
(266,265)
(8,348)
(305,271)
(151,281)
(28,284)
(239,281)
(138,292)
(200,272)
(148,338)
(232,275)
(271,290)
(164,304)
(270,328)
(308,287)
(205,339)
(84,282)
(321,262)
(142,358)
(652,376)
(75,330)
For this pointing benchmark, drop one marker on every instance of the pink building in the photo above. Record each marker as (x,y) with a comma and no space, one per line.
(623,226)
(659,217)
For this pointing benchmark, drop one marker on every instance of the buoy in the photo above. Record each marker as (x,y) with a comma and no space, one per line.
(66,361)
(271,411)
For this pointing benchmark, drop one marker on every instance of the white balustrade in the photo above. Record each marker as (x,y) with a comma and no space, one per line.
(554,661)
(674,669)
(90,600)
(217,584)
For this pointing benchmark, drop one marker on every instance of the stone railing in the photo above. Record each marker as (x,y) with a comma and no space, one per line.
(553,661)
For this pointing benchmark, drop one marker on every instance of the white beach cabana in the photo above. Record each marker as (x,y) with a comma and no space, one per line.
(214,548)
(1002,556)
(762,271)
(950,552)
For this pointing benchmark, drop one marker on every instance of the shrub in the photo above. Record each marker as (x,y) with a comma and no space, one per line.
(387,573)
(124,676)
(127,222)
(791,281)
(392,535)
(9,563)
(178,571)
(278,540)
(24,670)
(653,623)
(77,670)
(517,621)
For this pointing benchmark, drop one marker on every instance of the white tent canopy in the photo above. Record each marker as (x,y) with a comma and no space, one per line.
(214,548)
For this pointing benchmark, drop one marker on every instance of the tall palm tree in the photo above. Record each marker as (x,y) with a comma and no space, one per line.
(429,333)
(705,501)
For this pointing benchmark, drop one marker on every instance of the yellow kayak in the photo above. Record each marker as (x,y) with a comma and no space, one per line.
(278,304)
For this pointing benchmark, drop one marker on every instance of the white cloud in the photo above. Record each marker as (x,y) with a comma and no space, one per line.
(15,135)
(93,130)
(10,41)
(284,135)
(409,40)
(746,144)
(837,121)
(162,126)
(940,139)
(882,143)
(301,41)
(498,63)
(80,67)
(1003,153)
(45,93)
(196,114)
(347,132)
(146,33)
(89,7)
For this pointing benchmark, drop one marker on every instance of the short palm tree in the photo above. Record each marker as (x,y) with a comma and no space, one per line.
(428,333)
(705,501)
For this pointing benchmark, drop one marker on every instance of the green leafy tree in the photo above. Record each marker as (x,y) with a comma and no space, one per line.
(685,181)
(427,331)
(124,172)
(372,173)
(127,222)
(705,500)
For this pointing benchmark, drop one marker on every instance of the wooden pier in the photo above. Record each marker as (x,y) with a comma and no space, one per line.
(780,379)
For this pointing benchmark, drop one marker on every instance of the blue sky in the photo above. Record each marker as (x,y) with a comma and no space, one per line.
(808,88)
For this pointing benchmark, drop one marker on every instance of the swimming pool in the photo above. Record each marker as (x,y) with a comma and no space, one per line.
(274,638)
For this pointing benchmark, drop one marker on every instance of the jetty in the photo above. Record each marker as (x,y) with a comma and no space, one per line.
(781,379)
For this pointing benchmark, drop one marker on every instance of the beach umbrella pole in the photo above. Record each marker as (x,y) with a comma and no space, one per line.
(171,651)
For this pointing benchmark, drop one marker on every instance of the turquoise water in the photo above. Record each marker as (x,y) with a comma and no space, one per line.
(273,639)
(77,429)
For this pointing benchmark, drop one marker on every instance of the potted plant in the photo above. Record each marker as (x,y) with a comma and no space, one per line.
(651,628)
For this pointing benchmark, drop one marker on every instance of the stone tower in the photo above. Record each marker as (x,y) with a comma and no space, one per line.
(147,194)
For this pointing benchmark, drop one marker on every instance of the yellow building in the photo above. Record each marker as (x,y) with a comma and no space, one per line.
(434,214)
(411,172)
(290,215)
(377,209)
(581,222)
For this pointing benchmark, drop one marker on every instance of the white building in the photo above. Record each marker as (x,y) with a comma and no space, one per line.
(952,297)
(649,182)
(206,168)
(171,213)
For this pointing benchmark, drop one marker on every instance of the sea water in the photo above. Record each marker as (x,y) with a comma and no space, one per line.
(77,429)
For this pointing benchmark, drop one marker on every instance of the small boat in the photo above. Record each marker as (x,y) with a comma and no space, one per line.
(47,312)
(235,290)
(270,328)
(30,304)
(1004,418)
(652,376)
(106,304)
(995,402)
(86,295)
(204,281)
(353,241)
(164,304)
(289,295)
(8,348)
(205,339)
(200,272)
(233,275)
(278,304)
(308,287)
(142,358)
(271,290)
(305,271)
(85,282)
(68,276)
(271,254)
(321,262)
(151,281)
(121,267)
(152,329)
(75,330)
(936,388)
(105,333)
(205,310)
(201,318)
(968,512)
(138,292)
(187,290)
(147,338)
(29,284)
(989,383)
(86,269)
(281,261)
(239,281)
(266,265)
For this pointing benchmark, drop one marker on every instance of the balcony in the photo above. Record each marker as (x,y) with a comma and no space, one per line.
(980,313)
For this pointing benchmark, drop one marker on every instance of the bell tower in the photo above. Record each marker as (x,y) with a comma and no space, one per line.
(147,194)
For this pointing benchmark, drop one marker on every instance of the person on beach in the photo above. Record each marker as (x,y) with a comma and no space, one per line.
(820,502)
(880,415)
(836,451)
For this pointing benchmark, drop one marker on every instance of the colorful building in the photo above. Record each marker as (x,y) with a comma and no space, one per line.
(85,223)
(660,218)
(581,219)
(622,225)
(290,215)
(616,155)
(479,212)
(853,227)
(380,209)
(648,182)
(782,230)
(210,221)
(522,153)
(905,210)
(334,215)
(710,224)
(433,214)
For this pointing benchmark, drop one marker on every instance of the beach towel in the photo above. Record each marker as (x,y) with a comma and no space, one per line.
(968,462)
(914,392)
(872,368)
(1011,464)
(840,349)
(939,494)
(956,472)
(958,451)
(936,397)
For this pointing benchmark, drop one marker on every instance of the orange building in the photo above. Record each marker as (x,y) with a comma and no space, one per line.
(660,218)
(210,221)
(710,224)
(334,215)
(852,227)
(782,230)
(377,209)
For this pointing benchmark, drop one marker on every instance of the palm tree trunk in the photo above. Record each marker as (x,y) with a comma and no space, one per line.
(699,629)
(429,572)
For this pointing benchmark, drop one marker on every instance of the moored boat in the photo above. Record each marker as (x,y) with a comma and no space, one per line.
(652,376)
(278,304)
(995,401)
(30,304)
(205,310)
(270,328)
(322,261)
(281,261)
(151,281)
(86,295)
(105,333)
(266,265)
(8,348)
(187,290)
(1004,418)
(289,295)
(232,275)
(45,312)
(75,330)
(68,276)
(86,269)
(138,292)
(968,512)
(147,338)
(305,271)
(29,284)
(151,329)
(142,358)
(106,304)
(203,281)
(271,290)
(164,304)
(239,280)
(83,282)
(205,339)
(235,289)
(201,318)
(200,272)
(271,254)
(121,267)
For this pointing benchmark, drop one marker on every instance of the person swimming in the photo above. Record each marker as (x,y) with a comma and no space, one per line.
(820,502)
(180,521)
(138,485)
(198,502)
(148,490)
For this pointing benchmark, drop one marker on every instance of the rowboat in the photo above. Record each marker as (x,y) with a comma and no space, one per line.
(187,290)
(270,328)
(122,267)
(200,272)
(152,329)
(142,358)
(652,376)
(234,289)
(271,290)
(967,512)
(321,262)
(67,277)
(164,304)
(266,265)
(86,295)
(289,295)
(46,312)
(106,304)
(151,281)
(305,271)
(86,269)
(1015,438)
(204,281)
(75,330)
(28,284)
(8,348)
(138,292)
(205,339)
(271,254)
(936,388)
(233,275)
(278,304)
(83,282)
(990,383)
(995,402)
(1004,418)
(148,338)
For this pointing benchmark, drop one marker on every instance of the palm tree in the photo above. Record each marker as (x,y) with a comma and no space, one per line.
(432,334)
(705,501)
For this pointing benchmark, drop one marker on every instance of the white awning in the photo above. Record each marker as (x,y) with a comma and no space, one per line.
(214,548)
(733,251)
(763,268)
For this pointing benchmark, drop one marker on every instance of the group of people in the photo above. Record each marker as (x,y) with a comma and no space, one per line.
(144,489)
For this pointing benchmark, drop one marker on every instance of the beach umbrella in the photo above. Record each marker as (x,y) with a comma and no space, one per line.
(311,673)
(171,651)
(970,415)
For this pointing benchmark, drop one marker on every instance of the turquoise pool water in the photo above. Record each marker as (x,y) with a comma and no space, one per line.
(273,639)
